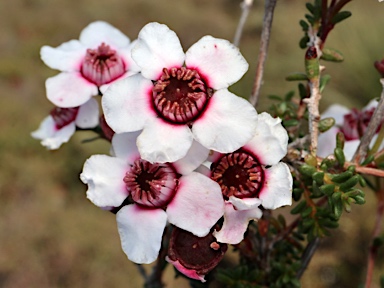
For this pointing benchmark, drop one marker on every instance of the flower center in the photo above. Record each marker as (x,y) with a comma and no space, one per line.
(180,95)
(63,116)
(102,65)
(201,254)
(239,174)
(151,185)
(355,123)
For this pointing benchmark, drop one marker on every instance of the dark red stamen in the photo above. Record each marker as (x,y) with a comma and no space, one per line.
(180,95)
(239,174)
(151,185)
(63,116)
(102,65)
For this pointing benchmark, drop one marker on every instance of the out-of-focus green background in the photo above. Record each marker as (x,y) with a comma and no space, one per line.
(50,234)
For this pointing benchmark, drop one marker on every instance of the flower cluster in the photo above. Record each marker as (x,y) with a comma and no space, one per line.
(187,154)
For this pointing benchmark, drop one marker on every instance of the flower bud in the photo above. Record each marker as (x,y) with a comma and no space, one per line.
(194,256)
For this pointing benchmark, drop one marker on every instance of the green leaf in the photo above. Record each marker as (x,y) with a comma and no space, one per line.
(304,25)
(327,189)
(342,177)
(350,183)
(299,207)
(303,92)
(326,123)
(332,55)
(324,81)
(307,170)
(290,122)
(340,17)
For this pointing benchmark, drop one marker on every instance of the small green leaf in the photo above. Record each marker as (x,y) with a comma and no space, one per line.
(307,170)
(306,212)
(350,183)
(299,207)
(324,81)
(303,42)
(303,92)
(326,123)
(304,25)
(331,55)
(328,189)
(339,154)
(290,122)
(341,16)
(342,177)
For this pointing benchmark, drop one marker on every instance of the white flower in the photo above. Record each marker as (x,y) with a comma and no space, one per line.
(60,125)
(253,176)
(181,96)
(100,56)
(352,122)
(152,194)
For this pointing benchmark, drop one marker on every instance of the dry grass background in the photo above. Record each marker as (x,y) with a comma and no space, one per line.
(50,234)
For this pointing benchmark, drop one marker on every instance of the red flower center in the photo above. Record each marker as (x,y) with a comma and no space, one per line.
(63,116)
(180,95)
(102,65)
(239,174)
(355,123)
(151,185)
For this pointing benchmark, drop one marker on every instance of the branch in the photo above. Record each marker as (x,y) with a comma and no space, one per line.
(245,7)
(307,256)
(376,231)
(376,119)
(265,36)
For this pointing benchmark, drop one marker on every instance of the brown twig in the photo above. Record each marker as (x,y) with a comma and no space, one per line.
(265,36)
(307,256)
(376,119)
(245,7)
(376,232)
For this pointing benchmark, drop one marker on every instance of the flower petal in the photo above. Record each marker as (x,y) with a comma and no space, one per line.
(197,205)
(124,146)
(88,115)
(51,137)
(327,142)
(337,112)
(69,90)
(235,224)
(157,47)
(102,32)
(187,272)
(126,55)
(228,123)
(350,147)
(141,231)
(163,142)
(127,104)
(67,57)
(270,141)
(244,204)
(218,60)
(196,155)
(277,189)
(104,176)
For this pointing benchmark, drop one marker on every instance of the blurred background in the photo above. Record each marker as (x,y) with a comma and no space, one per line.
(50,234)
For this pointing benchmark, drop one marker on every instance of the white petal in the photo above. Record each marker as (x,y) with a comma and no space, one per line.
(104,176)
(127,104)
(244,204)
(140,232)
(218,60)
(157,47)
(277,189)
(327,142)
(69,90)
(228,123)
(102,32)
(197,205)
(196,155)
(163,142)
(124,146)
(350,148)
(235,224)
(52,138)
(126,55)
(67,57)
(190,273)
(337,112)
(371,104)
(105,87)
(88,115)
(46,129)
(270,141)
